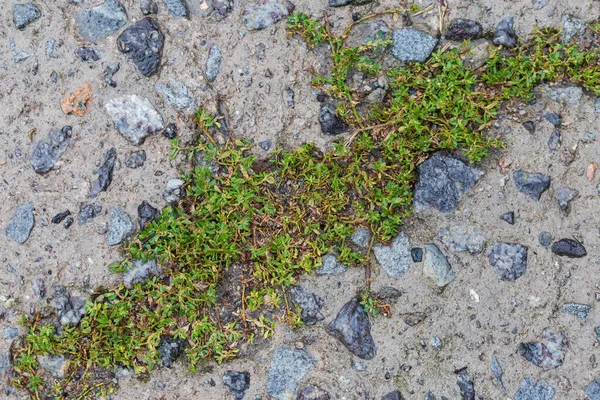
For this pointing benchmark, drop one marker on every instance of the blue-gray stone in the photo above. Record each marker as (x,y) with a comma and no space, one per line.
(17,54)
(120,227)
(462,238)
(497,372)
(545,239)
(237,383)
(436,267)
(310,304)
(412,44)
(24,14)
(10,332)
(581,311)
(394,259)
(139,272)
(19,228)
(361,237)
(352,328)
(260,14)
(509,260)
(213,63)
(592,390)
(47,151)
(177,8)
(532,390)
(104,173)
(330,266)
(287,368)
(532,184)
(55,365)
(98,22)
(5,363)
(571,27)
(505,34)
(175,93)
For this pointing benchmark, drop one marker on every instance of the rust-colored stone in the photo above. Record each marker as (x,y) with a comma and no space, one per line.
(79,101)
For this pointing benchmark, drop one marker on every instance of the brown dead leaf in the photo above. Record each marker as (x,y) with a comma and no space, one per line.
(79,101)
(590,171)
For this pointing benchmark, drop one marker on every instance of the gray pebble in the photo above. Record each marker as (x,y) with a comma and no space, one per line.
(21,224)
(120,227)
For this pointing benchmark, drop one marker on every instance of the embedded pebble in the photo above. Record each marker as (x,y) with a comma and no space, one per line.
(310,304)
(509,260)
(105,173)
(361,237)
(581,311)
(175,93)
(20,226)
(462,29)
(177,8)
(436,268)
(87,212)
(532,390)
(46,152)
(461,238)
(139,272)
(24,14)
(412,44)
(120,227)
(549,353)
(213,63)
(554,140)
(394,259)
(564,196)
(545,239)
(287,369)
(134,117)
(173,193)
(532,184)
(352,328)
(135,159)
(331,123)
(146,213)
(569,247)
(142,43)
(237,383)
(508,217)
(96,23)
(260,14)
(505,34)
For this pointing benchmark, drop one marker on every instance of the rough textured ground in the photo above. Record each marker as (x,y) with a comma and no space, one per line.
(476,316)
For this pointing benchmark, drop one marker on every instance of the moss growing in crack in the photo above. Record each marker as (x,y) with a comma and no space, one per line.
(241,236)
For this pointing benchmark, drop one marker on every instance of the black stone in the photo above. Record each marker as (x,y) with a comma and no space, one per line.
(393,396)
(87,54)
(146,213)
(58,218)
(553,118)
(508,217)
(170,350)
(505,34)
(105,173)
(532,184)
(69,221)
(142,42)
(529,126)
(462,29)
(416,254)
(88,212)
(569,248)
(170,132)
(331,123)
(136,159)
(237,383)
(352,328)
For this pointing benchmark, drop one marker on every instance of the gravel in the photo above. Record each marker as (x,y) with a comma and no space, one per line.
(142,43)
(25,14)
(287,368)
(564,196)
(310,304)
(508,217)
(554,140)
(581,311)
(571,28)
(20,226)
(55,365)
(237,383)
(312,392)
(120,227)
(104,173)
(548,354)
(569,248)
(352,328)
(70,308)
(260,14)
(46,152)
(87,212)
(331,123)
(462,238)
(330,266)
(592,389)
(505,34)
(436,268)
(173,193)
(213,63)
(532,390)
(462,29)
(87,54)
(139,272)
(177,8)
(146,213)
(532,184)
(135,159)
(175,93)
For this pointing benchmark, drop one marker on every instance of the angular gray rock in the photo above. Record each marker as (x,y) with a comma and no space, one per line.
(98,22)
(54,365)
(545,238)
(120,227)
(310,304)
(139,272)
(532,390)
(5,363)
(134,117)
(581,311)
(509,260)
(70,308)
(10,332)
(20,226)
(393,396)
(46,152)
(109,73)
(532,184)
(462,29)
(287,368)
(410,44)
(442,181)
(497,372)
(87,212)
(571,27)
(361,237)
(17,54)
(330,266)
(24,14)
(394,260)
(237,383)
(564,196)
(466,385)
(177,8)
(135,159)
(592,389)
(148,7)
(505,34)
(462,238)
(548,354)
(352,328)
(312,392)
(331,123)
(146,213)
(554,140)
(175,93)
(260,14)
(173,193)
(436,268)
(213,63)
(142,43)
(104,173)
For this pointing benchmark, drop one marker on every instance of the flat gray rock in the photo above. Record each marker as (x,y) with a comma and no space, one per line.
(331,266)
(21,224)
(564,196)
(532,184)
(310,304)
(17,54)
(549,353)
(412,44)
(352,328)
(260,14)
(177,8)
(134,117)
(24,14)
(592,390)
(571,28)
(443,180)
(581,311)
(120,227)
(394,260)
(532,390)
(462,238)
(175,93)
(213,63)
(509,260)
(436,268)
(46,152)
(361,237)
(140,272)
(98,22)
(288,367)
(54,365)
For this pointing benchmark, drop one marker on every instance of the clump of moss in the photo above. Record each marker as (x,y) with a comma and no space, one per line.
(241,236)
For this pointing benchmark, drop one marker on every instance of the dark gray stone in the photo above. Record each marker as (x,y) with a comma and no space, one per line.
(532,184)
(287,368)
(554,140)
(68,222)
(260,14)
(237,383)
(564,196)
(341,3)
(462,29)
(148,7)
(87,212)
(569,247)
(497,372)
(545,238)
(352,328)
(173,192)
(310,304)
(442,181)
(331,123)
(213,63)
(170,132)
(20,226)
(436,267)
(109,73)
(505,34)
(529,126)
(47,151)
(508,217)
(265,144)
(98,22)
(394,260)
(462,238)
(412,44)
(170,350)
(554,118)
(177,8)
(104,173)
(532,390)
(146,213)
(175,93)
(416,253)
(135,159)
(24,14)
(70,308)
(393,396)
(581,311)
(509,260)
(134,117)
(39,287)
(288,97)
(87,54)
(142,43)
(548,354)
(312,392)
(5,363)
(465,385)
(120,227)
(139,272)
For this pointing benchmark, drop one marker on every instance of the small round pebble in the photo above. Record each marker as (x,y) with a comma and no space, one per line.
(545,239)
